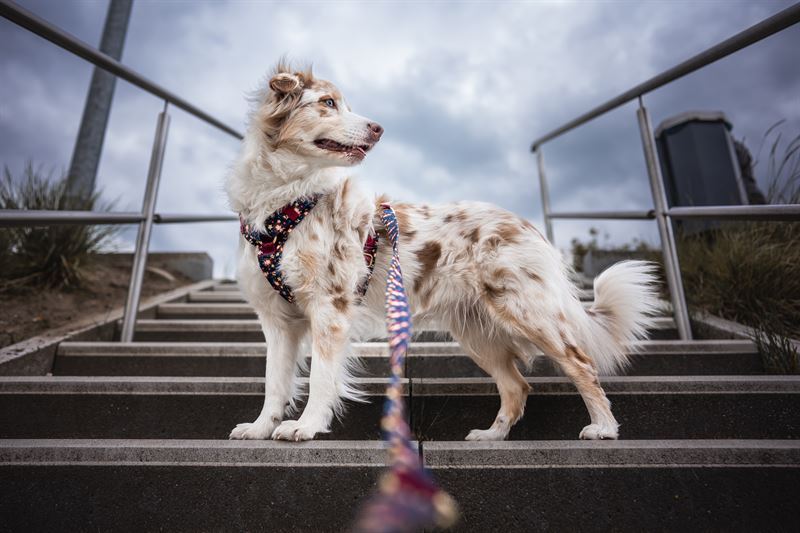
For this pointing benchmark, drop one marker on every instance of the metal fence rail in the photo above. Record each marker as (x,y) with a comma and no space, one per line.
(606,215)
(15,217)
(147,217)
(661,212)
(18,217)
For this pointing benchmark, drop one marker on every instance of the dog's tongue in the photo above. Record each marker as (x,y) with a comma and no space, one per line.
(359,150)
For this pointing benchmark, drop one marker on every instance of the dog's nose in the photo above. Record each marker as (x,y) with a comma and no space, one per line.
(375,130)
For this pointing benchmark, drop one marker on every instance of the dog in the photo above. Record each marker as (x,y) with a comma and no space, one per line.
(482,273)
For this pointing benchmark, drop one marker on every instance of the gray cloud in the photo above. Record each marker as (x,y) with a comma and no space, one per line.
(461,88)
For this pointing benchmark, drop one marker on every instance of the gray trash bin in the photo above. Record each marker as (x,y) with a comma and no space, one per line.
(699,163)
(698,160)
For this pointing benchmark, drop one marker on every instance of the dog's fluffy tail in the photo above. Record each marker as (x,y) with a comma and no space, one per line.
(625,300)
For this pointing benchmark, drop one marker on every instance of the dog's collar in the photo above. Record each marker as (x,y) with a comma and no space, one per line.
(277,228)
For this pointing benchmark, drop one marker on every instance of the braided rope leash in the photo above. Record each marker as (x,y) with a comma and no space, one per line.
(408,498)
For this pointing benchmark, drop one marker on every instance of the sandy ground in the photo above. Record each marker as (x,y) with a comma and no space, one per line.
(28,313)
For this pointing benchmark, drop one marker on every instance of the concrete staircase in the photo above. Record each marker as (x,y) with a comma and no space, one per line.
(132,437)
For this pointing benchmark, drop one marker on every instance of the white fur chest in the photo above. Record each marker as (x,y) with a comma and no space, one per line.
(322,256)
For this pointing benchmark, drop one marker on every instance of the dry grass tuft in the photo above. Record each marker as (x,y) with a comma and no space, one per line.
(747,272)
(48,256)
(778,353)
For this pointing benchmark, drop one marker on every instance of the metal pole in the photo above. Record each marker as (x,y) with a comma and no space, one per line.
(182,219)
(145,227)
(789,212)
(548,224)
(89,144)
(605,215)
(669,251)
(20,217)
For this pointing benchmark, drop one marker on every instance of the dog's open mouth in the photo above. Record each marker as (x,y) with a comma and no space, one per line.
(359,151)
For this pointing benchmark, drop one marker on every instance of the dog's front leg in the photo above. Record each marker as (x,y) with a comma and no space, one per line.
(283,342)
(329,339)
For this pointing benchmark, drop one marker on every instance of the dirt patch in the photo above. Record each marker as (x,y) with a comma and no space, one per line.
(28,312)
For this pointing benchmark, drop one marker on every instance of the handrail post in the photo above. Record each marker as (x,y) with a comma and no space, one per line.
(548,223)
(145,227)
(668,248)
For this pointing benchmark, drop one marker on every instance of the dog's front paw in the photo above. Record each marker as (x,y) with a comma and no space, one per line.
(599,432)
(297,430)
(487,434)
(252,431)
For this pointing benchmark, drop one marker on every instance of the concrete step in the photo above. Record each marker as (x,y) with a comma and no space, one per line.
(666,407)
(239,330)
(233,295)
(190,485)
(440,409)
(157,485)
(153,408)
(651,358)
(216,310)
(224,296)
(167,387)
(696,485)
(225,286)
(425,359)
(243,330)
(205,310)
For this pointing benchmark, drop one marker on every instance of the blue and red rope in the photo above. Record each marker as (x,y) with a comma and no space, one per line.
(408,498)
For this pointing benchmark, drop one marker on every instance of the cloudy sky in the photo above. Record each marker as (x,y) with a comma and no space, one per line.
(462,88)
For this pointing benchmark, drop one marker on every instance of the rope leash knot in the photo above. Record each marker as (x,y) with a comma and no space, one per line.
(408,498)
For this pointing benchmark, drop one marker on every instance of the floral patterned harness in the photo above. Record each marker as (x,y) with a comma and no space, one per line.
(279,226)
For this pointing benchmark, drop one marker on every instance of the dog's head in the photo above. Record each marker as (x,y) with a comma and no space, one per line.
(309,118)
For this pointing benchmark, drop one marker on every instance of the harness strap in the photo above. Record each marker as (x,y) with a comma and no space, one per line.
(408,499)
(370,252)
(278,226)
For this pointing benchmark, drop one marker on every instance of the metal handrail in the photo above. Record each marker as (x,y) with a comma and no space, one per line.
(606,215)
(24,18)
(177,218)
(147,217)
(32,217)
(787,212)
(751,35)
(662,213)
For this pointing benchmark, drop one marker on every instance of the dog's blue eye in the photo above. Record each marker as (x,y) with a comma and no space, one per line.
(329,102)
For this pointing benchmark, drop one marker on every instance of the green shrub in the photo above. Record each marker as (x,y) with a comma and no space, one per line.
(47,256)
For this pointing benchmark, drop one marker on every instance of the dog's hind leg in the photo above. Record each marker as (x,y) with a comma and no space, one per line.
(497,358)
(554,339)
(583,373)
(552,335)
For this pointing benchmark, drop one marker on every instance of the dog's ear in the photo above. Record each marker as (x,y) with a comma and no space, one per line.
(285,83)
